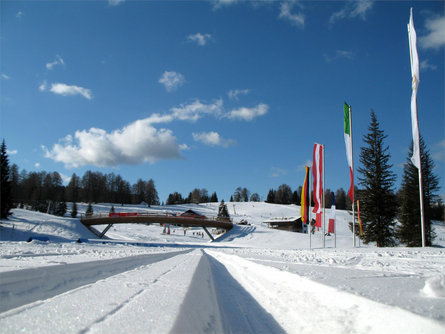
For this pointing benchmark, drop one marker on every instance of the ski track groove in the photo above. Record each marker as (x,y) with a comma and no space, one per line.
(124,304)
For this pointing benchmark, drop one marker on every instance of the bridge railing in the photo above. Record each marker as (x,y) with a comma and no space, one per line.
(148,214)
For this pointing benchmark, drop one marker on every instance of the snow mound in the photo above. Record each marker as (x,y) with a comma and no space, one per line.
(435,287)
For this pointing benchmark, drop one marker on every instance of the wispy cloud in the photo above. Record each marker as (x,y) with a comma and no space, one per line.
(115,2)
(234,93)
(200,39)
(56,62)
(222,3)
(439,151)
(135,143)
(248,114)
(353,9)
(66,90)
(212,139)
(277,172)
(5,76)
(339,54)
(196,109)
(425,65)
(296,19)
(12,152)
(436,33)
(172,80)
(19,14)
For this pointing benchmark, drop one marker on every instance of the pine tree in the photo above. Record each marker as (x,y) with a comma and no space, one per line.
(378,206)
(89,211)
(74,210)
(5,185)
(409,230)
(271,196)
(60,209)
(151,194)
(223,212)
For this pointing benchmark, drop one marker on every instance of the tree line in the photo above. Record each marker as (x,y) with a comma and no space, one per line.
(388,216)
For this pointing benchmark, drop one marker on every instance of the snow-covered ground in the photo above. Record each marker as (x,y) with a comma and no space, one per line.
(251,280)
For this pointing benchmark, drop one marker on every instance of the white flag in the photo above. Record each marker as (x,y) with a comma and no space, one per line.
(415,74)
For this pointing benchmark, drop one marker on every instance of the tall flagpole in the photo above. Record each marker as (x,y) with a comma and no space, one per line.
(353,184)
(414,119)
(323,198)
(310,210)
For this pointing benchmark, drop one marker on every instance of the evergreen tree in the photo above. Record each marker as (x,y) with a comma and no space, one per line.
(283,195)
(5,185)
(223,212)
(89,211)
(271,196)
(340,199)
(255,197)
(378,206)
(409,230)
(60,209)
(151,194)
(214,198)
(74,210)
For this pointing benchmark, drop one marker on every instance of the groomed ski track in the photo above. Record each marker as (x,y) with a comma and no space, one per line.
(190,291)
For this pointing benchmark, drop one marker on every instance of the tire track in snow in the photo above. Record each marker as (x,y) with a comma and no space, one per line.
(138,294)
(25,286)
(303,306)
(217,303)
(143,300)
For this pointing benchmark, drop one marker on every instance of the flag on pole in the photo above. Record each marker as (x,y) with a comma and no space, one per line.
(348,143)
(317,171)
(359,220)
(304,212)
(331,228)
(415,75)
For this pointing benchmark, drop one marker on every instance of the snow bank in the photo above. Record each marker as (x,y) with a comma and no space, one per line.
(435,287)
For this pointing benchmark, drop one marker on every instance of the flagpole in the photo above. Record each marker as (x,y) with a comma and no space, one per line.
(310,210)
(323,200)
(419,167)
(353,185)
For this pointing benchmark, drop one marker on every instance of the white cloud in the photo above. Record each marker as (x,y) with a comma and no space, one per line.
(340,54)
(248,114)
(12,152)
(221,3)
(5,76)
(135,143)
(43,86)
(172,80)
(277,172)
(19,14)
(425,65)
(212,139)
(115,2)
(58,61)
(436,33)
(439,151)
(234,93)
(353,9)
(195,110)
(296,19)
(37,165)
(200,39)
(65,90)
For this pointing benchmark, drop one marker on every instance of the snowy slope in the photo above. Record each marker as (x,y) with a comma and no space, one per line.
(251,280)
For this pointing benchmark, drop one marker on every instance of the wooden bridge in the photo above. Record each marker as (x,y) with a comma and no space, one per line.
(148,218)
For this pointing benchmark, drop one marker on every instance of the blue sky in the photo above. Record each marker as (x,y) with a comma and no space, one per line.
(214,94)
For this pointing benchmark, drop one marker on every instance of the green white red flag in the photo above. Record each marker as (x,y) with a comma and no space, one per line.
(348,143)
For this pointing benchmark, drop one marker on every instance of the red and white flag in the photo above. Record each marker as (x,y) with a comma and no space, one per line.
(331,228)
(317,171)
